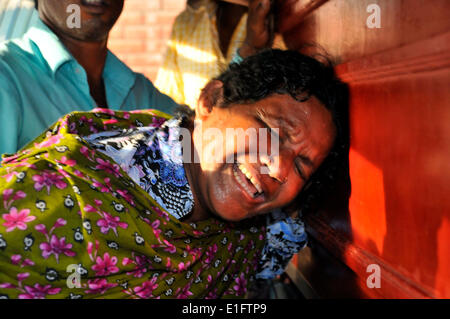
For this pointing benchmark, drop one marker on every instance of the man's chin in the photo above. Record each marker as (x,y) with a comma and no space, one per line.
(92,30)
(90,35)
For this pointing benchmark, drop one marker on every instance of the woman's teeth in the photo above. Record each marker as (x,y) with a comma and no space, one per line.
(250,178)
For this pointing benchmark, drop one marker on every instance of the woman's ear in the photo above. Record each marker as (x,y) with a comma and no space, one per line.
(211,95)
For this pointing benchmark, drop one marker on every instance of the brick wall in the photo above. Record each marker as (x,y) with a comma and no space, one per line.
(140,35)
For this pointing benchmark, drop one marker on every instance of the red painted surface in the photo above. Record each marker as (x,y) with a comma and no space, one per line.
(367,202)
(398,214)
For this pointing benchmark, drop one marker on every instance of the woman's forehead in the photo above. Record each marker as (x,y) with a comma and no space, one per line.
(298,119)
(287,111)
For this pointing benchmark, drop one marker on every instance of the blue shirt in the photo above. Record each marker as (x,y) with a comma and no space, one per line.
(40,81)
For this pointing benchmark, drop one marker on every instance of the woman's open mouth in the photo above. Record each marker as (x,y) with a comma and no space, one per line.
(248,183)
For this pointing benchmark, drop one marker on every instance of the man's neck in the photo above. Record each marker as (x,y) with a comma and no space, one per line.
(92,57)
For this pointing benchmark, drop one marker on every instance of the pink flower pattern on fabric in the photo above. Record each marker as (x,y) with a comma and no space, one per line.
(241,285)
(9,196)
(31,292)
(56,246)
(49,141)
(65,161)
(110,222)
(17,219)
(99,286)
(17,260)
(146,289)
(48,179)
(184,293)
(142,264)
(105,266)
(107,221)
(107,166)
(38,291)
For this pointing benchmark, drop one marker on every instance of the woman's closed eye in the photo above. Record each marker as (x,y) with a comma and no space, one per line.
(300,167)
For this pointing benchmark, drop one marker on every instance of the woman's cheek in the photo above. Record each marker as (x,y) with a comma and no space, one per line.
(291,190)
(209,155)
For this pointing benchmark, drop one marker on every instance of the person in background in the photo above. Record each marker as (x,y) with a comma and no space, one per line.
(55,69)
(205,38)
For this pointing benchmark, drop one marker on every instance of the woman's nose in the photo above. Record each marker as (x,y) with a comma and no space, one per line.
(278,165)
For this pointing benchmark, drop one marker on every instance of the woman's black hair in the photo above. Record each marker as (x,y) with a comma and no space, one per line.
(301,76)
(36,4)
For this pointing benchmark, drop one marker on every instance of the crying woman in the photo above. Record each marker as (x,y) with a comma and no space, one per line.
(112,205)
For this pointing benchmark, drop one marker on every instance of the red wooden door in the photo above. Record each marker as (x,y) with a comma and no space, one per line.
(398,214)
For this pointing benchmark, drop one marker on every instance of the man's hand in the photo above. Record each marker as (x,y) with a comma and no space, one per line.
(260,28)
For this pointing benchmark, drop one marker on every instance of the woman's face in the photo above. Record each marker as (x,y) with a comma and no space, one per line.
(251,184)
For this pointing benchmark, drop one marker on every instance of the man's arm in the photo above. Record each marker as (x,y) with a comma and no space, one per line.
(260,28)
(154,98)
(164,102)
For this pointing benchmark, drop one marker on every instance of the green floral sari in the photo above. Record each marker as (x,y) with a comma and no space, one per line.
(74,225)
